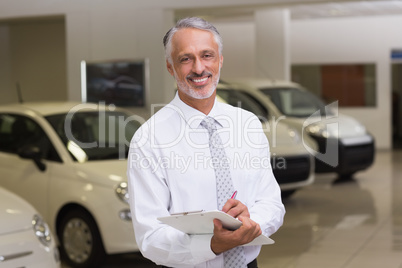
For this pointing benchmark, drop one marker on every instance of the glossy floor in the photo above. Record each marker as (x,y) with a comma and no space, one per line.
(335,224)
(351,224)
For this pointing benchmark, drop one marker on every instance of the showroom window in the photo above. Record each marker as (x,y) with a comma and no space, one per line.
(353,85)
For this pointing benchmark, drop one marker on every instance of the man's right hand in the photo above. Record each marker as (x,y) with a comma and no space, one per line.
(224,239)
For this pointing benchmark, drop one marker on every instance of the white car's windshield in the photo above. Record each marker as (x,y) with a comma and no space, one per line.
(93,135)
(294,102)
(243,100)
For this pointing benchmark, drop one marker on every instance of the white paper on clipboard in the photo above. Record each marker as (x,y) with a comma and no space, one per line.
(202,223)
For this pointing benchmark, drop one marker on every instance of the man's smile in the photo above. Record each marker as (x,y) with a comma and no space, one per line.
(199,80)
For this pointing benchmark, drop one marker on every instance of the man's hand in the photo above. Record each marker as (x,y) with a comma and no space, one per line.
(224,239)
(235,208)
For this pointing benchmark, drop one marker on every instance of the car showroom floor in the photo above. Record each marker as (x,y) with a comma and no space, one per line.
(334,224)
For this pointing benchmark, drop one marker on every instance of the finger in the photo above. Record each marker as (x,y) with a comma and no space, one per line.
(235,212)
(217,224)
(229,205)
(250,227)
(246,220)
(242,210)
(235,208)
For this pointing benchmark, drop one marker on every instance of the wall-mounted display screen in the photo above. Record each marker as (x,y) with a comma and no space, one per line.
(119,82)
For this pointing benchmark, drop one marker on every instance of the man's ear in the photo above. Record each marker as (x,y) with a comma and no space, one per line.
(221,61)
(169,68)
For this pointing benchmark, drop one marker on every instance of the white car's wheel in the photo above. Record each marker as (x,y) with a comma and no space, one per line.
(80,242)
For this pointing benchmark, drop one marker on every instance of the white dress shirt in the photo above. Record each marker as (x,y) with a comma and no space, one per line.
(170,171)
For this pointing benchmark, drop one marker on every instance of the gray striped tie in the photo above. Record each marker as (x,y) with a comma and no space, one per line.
(234,258)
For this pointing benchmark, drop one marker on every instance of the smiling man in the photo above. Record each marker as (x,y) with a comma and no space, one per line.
(195,61)
(208,136)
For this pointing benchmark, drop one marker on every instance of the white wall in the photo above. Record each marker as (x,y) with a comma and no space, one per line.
(238,48)
(272,42)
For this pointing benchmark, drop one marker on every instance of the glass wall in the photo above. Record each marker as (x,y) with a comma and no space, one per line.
(353,85)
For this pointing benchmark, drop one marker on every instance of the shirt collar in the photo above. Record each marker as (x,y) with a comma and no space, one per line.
(193,117)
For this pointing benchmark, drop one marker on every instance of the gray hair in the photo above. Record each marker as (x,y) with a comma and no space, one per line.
(192,22)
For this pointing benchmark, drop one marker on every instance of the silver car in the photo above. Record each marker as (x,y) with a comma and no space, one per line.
(343,145)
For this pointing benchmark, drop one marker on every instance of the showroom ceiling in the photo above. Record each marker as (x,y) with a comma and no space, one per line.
(333,9)
(302,10)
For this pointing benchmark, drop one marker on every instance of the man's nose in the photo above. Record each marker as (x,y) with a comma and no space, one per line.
(198,66)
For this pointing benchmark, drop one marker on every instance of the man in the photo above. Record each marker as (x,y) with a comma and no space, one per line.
(174,166)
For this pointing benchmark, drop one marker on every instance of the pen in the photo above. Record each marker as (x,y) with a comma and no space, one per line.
(234,195)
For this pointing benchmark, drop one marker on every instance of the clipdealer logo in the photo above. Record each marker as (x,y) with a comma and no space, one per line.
(323,125)
(203,161)
(107,130)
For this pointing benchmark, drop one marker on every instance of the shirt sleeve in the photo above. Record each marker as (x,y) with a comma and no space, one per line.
(150,199)
(268,210)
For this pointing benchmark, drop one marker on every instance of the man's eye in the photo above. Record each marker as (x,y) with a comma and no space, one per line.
(184,59)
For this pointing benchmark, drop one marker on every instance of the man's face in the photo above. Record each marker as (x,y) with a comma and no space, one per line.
(196,62)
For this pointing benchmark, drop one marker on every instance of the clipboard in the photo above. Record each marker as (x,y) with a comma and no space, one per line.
(201,222)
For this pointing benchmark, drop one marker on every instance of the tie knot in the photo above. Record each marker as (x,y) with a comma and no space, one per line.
(209,124)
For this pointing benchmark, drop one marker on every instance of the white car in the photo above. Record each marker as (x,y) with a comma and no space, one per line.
(25,239)
(292,164)
(69,161)
(343,144)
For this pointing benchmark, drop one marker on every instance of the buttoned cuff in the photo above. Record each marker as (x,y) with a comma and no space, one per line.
(201,248)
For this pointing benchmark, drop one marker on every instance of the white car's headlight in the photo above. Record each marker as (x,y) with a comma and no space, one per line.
(122,192)
(360,129)
(41,230)
(317,130)
(294,135)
